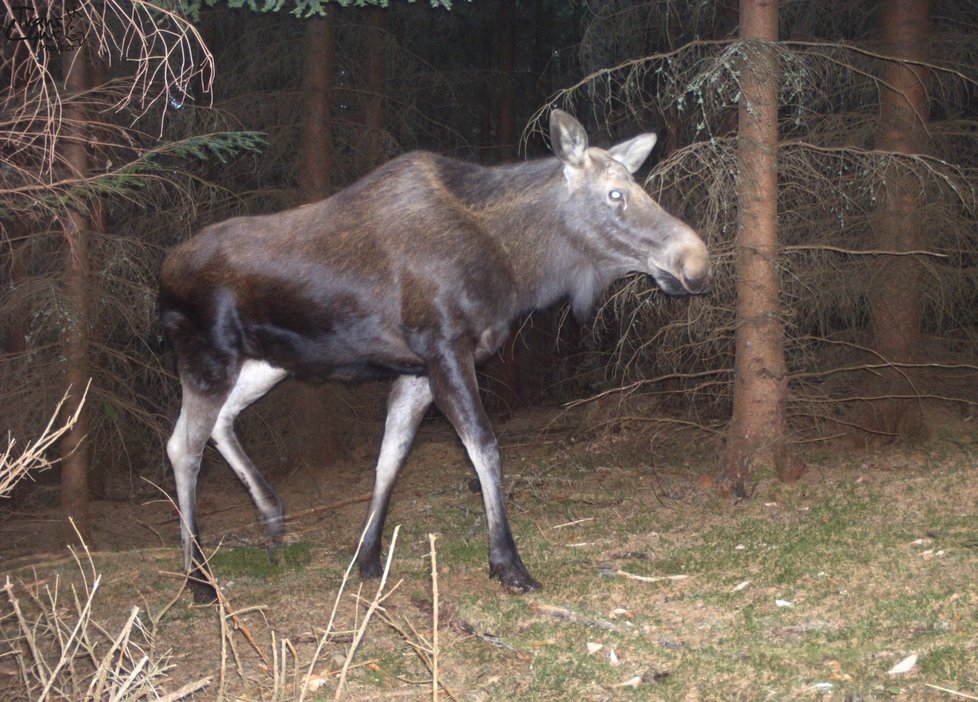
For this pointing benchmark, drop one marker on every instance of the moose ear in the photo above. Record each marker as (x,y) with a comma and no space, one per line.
(567,139)
(632,153)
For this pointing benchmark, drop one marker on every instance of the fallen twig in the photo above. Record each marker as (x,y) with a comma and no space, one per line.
(650,578)
(490,638)
(571,616)
(158,535)
(576,521)
(374,604)
(288,518)
(332,615)
(434,620)
(239,625)
(63,652)
(187,689)
(952,692)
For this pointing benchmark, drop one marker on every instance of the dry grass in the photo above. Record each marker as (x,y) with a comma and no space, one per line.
(48,632)
(654,589)
(35,456)
(55,645)
(66,651)
(62,651)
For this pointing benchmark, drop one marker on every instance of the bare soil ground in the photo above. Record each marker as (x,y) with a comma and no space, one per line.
(654,587)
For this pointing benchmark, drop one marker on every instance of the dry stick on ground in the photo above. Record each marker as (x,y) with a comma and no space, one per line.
(650,578)
(293,517)
(26,631)
(46,674)
(278,666)
(417,642)
(434,619)
(225,605)
(147,526)
(281,650)
(96,688)
(427,653)
(965,695)
(155,623)
(227,638)
(69,646)
(320,678)
(186,690)
(378,598)
(235,617)
(572,616)
(125,670)
(332,615)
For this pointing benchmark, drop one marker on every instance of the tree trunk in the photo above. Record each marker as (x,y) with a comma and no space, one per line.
(506,133)
(758,433)
(372,151)
(315,426)
(74,448)
(316,129)
(485,128)
(895,300)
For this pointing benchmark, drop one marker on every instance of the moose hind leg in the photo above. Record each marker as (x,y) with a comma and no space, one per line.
(409,398)
(255,379)
(453,382)
(185,448)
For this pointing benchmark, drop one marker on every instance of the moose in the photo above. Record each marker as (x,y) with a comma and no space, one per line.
(415,272)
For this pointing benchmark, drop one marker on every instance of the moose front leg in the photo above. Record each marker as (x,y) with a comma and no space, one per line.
(453,382)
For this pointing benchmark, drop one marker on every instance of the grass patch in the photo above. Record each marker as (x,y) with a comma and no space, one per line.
(259,562)
(806,592)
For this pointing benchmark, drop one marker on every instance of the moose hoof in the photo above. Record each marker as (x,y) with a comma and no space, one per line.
(276,555)
(370,568)
(204,593)
(514,577)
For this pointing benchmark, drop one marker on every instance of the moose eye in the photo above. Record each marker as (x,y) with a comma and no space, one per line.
(616,195)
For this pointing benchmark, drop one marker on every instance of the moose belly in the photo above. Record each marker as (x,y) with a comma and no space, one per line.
(351,352)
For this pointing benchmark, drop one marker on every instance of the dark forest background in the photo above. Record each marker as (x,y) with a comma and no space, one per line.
(111,157)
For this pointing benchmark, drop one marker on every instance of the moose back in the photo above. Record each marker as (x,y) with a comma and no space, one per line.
(414,272)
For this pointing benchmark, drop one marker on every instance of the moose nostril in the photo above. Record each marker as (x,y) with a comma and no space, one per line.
(698,275)
(698,286)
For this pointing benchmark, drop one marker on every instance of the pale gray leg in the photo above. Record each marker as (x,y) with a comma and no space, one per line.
(255,379)
(185,449)
(409,398)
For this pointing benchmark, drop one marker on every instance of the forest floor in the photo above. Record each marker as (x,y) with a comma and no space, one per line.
(857,583)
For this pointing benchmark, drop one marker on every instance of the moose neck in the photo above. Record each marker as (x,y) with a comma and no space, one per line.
(526,208)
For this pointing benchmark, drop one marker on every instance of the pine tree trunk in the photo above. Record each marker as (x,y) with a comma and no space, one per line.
(315,424)
(316,129)
(506,133)
(485,127)
(74,448)
(372,152)
(758,433)
(895,300)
